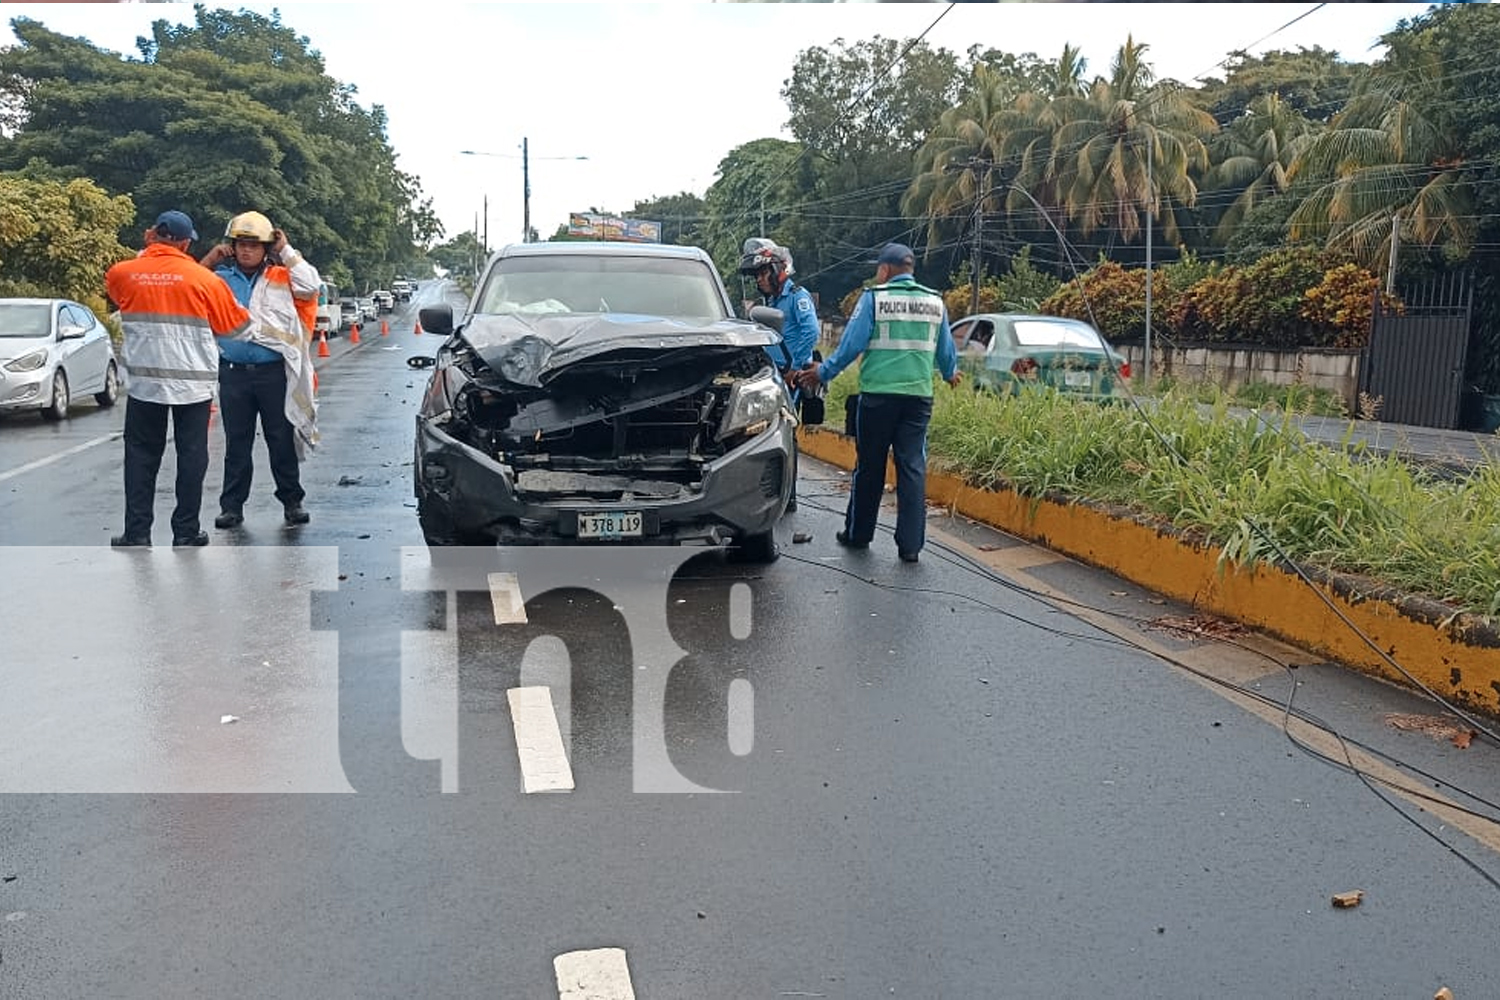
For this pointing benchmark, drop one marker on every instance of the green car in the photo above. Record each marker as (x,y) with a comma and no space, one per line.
(1007,352)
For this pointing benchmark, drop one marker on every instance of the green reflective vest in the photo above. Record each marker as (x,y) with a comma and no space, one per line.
(903,340)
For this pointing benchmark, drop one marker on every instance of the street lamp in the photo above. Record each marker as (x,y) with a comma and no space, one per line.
(525,180)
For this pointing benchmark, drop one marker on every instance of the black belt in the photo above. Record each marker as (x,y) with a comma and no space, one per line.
(239,365)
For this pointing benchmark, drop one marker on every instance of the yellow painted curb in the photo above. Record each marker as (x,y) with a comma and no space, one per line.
(1457,656)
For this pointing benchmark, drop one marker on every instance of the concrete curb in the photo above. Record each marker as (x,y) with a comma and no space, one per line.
(1456,655)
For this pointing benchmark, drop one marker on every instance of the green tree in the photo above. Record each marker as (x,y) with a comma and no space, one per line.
(684,217)
(228,113)
(1314,83)
(57,238)
(1100,151)
(1390,162)
(860,112)
(1253,157)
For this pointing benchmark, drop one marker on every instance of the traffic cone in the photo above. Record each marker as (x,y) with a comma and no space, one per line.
(385,328)
(416,328)
(353,333)
(323,351)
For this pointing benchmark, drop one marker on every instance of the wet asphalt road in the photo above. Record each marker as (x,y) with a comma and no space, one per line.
(938,785)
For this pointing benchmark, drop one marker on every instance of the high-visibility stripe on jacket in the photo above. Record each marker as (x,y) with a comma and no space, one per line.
(171,308)
(899,358)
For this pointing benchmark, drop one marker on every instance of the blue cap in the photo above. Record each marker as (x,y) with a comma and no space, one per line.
(175,225)
(898,254)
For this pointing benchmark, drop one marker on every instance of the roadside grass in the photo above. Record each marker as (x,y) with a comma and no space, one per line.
(1253,487)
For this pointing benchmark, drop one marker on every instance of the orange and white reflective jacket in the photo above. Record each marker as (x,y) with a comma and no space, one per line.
(171,308)
(283,308)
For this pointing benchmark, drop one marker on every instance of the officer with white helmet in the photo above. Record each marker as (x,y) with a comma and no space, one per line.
(771,266)
(267,373)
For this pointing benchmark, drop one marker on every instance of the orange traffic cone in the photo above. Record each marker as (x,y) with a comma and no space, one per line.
(354,333)
(417,328)
(323,351)
(385,328)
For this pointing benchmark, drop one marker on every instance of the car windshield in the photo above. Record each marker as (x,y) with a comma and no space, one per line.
(25,319)
(1041,333)
(559,283)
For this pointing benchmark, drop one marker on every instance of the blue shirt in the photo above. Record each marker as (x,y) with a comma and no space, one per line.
(862,324)
(799,325)
(242,352)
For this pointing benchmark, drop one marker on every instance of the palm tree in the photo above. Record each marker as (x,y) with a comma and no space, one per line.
(1386,162)
(954,163)
(1100,150)
(1255,154)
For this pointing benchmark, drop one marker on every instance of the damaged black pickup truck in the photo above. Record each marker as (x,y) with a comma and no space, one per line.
(602,393)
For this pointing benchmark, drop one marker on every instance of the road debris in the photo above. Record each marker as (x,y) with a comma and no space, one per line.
(1436,726)
(801,538)
(1196,626)
(225,720)
(350,480)
(1348,900)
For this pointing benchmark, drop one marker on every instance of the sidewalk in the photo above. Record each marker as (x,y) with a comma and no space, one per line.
(1457,452)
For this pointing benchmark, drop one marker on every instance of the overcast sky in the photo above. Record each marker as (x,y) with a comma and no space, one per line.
(654,95)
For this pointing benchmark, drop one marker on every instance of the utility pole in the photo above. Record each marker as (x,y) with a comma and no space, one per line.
(486,244)
(974,165)
(525,192)
(1150,203)
(1390,273)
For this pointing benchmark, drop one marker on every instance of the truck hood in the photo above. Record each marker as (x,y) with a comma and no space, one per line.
(529,350)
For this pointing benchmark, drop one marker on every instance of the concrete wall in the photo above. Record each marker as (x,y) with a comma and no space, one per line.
(1234,366)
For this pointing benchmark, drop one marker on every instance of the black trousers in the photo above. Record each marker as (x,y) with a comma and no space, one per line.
(245,392)
(890,424)
(145,443)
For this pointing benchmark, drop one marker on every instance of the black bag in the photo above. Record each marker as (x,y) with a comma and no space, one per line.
(811,408)
(851,414)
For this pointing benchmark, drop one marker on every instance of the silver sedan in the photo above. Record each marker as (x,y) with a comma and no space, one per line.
(51,352)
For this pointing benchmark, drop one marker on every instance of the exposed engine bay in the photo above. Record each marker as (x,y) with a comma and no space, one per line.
(626,424)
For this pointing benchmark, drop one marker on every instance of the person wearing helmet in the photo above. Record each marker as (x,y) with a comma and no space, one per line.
(771,267)
(267,372)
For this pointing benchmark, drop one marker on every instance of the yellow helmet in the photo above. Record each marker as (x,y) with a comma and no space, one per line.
(250,226)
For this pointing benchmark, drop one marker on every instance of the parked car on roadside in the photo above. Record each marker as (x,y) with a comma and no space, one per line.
(602,393)
(367,311)
(385,301)
(52,351)
(1008,352)
(349,313)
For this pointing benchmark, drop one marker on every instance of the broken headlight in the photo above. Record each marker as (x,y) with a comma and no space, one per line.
(751,402)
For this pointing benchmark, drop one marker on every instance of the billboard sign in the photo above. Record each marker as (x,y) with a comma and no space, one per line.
(591,226)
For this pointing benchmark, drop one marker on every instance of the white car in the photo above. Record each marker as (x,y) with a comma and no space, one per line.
(385,301)
(368,311)
(52,350)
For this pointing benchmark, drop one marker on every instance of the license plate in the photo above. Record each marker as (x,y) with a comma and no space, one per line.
(610,524)
(1077,380)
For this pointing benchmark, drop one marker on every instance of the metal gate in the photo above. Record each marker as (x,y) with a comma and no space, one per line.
(1414,364)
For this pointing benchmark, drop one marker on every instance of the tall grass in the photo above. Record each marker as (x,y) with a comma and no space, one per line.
(1255,488)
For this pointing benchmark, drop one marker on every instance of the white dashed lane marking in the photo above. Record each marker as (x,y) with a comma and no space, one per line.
(539,745)
(600,974)
(505,595)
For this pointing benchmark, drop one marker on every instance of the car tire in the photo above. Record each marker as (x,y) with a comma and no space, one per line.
(57,409)
(755,549)
(111,392)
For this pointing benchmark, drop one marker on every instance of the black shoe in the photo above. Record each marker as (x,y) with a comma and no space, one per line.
(908,557)
(130,542)
(843,539)
(229,519)
(294,514)
(190,541)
